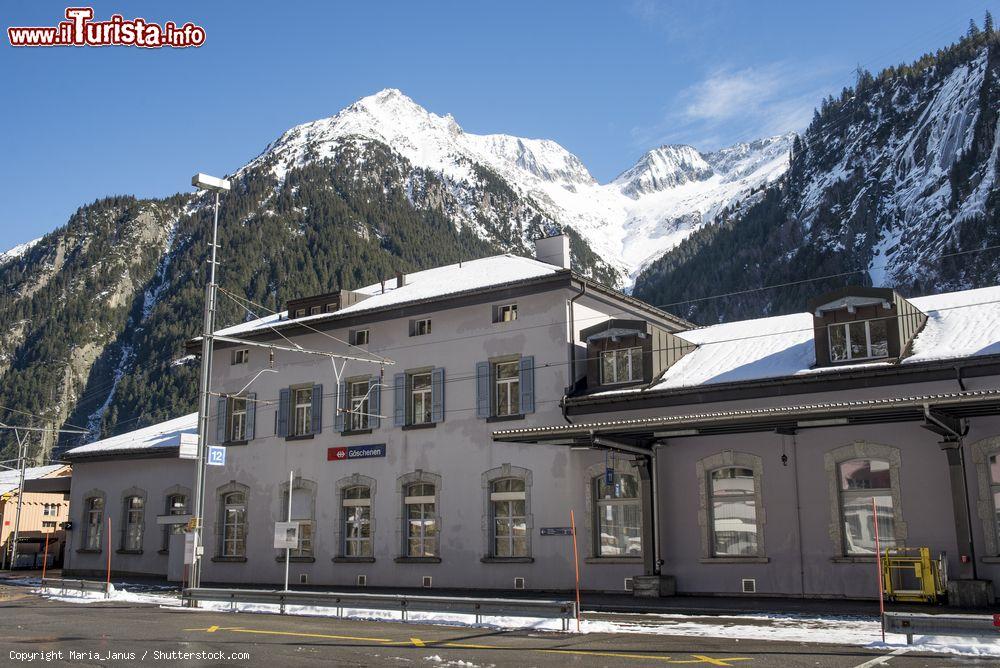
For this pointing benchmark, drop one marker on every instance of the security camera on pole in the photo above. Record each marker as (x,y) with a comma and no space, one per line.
(217,186)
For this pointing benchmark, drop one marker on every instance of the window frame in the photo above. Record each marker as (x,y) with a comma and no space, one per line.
(715,497)
(360,337)
(362,545)
(240,356)
(505,313)
(170,509)
(508,499)
(599,518)
(628,352)
(239,539)
(427,398)
(847,341)
(307,525)
(133,521)
(511,387)
(359,407)
(988,506)
(420,324)
(93,532)
(234,435)
(845,495)
(428,504)
(306,408)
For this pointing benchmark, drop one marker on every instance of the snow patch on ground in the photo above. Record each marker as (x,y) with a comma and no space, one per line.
(18,251)
(841,630)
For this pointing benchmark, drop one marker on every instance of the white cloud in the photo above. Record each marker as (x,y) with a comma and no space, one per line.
(740,104)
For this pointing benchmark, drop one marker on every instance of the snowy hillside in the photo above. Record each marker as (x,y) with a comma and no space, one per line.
(895,183)
(647,210)
(18,251)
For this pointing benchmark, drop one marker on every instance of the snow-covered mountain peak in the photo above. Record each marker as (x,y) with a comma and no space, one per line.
(664,167)
(671,191)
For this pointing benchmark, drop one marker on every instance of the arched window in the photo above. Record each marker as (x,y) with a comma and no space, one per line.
(509,518)
(356,509)
(234,524)
(303,511)
(617,515)
(861,481)
(133,510)
(176,504)
(420,510)
(733,506)
(93,522)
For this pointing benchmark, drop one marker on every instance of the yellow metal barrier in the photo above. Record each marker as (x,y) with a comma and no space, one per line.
(904,567)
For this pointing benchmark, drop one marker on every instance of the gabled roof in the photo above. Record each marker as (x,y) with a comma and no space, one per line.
(148,439)
(959,325)
(449,281)
(9,480)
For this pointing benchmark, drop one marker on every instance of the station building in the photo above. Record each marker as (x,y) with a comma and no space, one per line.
(485,403)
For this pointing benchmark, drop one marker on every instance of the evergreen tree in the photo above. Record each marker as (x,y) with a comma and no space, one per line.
(988,23)
(973,30)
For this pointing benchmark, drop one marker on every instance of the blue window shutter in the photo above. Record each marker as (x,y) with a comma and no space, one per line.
(375,402)
(341,403)
(317,409)
(251,414)
(220,420)
(284,404)
(437,395)
(527,381)
(399,400)
(483,389)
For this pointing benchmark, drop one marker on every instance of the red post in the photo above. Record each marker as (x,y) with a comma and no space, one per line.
(107,584)
(576,564)
(45,556)
(878,570)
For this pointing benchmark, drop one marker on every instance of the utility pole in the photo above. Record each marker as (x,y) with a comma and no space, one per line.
(217,186)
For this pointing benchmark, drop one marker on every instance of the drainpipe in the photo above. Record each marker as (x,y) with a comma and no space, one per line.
(656,508)
(958,377)
(571,352)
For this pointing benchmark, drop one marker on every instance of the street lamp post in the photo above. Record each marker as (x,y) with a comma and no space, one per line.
(217,186)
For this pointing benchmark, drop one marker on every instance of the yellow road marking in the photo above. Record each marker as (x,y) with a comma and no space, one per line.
(417,642)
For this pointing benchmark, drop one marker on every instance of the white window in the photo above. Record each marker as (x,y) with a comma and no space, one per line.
(617,516)
(50,509)
(234,524)
(420,398)
(48,525)
(359,337)
(859,340)
(300,313)
(315,310)
(132,523)
(302,400)
(734,512)
(237,418)
(508,387)
(505,313)
(510,528)
(861,481)
(176,505)
(621,366)
(421,522)
(420,327)
(994,463)
(95,522)
(241,356)
(358,392)
(357,513)
(302,509)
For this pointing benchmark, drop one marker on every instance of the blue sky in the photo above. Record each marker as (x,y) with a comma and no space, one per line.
(607,80)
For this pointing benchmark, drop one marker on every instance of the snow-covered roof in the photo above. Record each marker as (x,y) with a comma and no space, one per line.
(9,480)
(959,324)
(163,435)
(479,274)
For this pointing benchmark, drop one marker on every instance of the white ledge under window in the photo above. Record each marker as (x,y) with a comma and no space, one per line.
(735,560)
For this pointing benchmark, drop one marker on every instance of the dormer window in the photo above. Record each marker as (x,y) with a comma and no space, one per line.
(859,340)
(623,365)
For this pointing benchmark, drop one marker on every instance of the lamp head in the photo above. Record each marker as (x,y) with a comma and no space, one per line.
(206,182)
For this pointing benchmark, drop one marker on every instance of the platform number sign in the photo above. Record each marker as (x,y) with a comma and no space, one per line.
(216,455)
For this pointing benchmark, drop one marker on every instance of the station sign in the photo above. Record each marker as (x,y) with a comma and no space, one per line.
(556,531)
(216,455)
(345,452)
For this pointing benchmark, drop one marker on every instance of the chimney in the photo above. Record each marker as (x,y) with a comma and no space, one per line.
(400,279)
(553,250)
